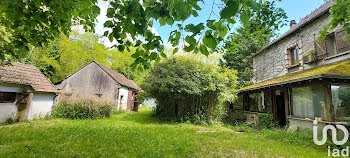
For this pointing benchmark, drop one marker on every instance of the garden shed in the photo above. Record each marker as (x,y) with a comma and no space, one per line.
(25,93)
(97,80)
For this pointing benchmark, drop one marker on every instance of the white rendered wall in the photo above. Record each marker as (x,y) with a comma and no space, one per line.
(7,110)
(122,103)
(11,89)
(42,104)
(150,102)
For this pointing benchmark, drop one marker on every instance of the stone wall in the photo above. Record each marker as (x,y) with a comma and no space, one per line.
(273,62)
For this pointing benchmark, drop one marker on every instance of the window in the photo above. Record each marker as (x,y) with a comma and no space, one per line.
(259,102)
(341,101)
(307,102)
(330,44)
(333,44)
(238,104)
(7,97)
(294,55)
(342,45)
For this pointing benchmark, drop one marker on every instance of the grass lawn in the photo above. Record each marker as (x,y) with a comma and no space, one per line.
(136,134)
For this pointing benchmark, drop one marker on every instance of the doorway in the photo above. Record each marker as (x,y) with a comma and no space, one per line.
(279,112)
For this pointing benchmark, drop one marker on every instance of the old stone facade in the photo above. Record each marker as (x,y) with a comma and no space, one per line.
(275,60)
(299,78)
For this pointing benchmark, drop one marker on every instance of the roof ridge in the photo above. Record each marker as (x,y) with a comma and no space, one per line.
(314,11)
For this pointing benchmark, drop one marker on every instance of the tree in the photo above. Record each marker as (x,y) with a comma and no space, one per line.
(37,22)
(340,12)
(187,88)
(65,55)
(250,38)
(27,23)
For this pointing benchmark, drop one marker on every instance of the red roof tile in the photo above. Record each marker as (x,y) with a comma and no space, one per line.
(25,74)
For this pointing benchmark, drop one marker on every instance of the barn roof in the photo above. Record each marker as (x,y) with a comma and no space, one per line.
(120,78)
(304,21)
(339,70)
(25,74)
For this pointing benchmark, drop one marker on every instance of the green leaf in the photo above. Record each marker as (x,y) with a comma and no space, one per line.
(105,33)
(254,5)
(190,40)
(245,18)
(194,13)
(162,21)
(153,56)
(96,9)
(135,55)
(230,10)
(209,41)
(110,12)
(170,21)
(108,24)
(121,48)
(223,31)
(163,55)
(189,48)
(204,50)
(175,50)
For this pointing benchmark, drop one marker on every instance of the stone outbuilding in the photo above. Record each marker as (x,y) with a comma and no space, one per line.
(25,93)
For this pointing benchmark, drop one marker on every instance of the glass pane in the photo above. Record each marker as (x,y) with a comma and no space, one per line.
(257,102)
(341,101)
(7,97)
(238,104)
(292,51)
(297,55)
(307,102)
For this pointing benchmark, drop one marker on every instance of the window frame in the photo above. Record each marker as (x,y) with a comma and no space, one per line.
(290,101)
(291,55)
(334,110)
(9,101)
(333,34)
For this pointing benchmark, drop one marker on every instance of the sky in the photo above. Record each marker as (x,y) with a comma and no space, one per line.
(295,10)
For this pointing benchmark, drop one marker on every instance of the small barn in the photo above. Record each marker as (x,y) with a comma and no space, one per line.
(25,93)
(97,80)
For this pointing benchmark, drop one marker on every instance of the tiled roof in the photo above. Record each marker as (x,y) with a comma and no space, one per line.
(120,78)
(304,21)
(25,74)
(335,70)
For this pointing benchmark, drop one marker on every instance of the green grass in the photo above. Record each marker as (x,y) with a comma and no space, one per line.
(136,134)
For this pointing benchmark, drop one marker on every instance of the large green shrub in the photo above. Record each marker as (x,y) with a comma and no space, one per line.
(83,108)
(189,89)
(266,121)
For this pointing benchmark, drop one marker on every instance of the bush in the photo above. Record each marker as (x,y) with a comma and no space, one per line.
(83,108)
(266,121)
(188,89)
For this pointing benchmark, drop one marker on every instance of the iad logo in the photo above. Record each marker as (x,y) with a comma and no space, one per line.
(334,134)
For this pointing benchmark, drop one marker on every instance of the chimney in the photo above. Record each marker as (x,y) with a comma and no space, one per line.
(292,23)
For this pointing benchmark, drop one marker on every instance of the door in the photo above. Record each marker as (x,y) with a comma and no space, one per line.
(279,108)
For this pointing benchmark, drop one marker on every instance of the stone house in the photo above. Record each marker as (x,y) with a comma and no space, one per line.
(299,79)
(97,80)
(25,93)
